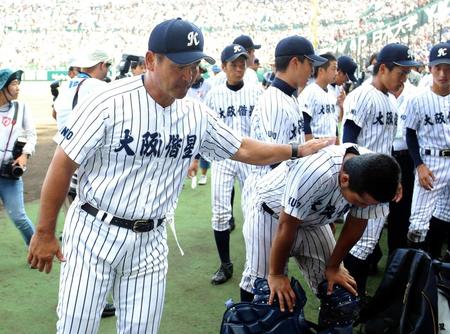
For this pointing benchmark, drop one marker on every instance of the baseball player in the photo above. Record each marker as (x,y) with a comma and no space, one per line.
(399,212)
(250,76)
(428,139)
(320,104)
(94,65)
(132,143)
(293,205)
(346,68)
(234,103)
(371,121)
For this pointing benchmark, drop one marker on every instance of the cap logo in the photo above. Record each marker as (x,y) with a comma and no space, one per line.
(237,49)
(410,54)
(442,52)
(193,38)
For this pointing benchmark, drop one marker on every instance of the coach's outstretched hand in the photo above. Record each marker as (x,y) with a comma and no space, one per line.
(43,248)
(314,145)
(280,287)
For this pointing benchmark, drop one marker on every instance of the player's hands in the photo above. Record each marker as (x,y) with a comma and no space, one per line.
(43,248)
(342,277)
(426,177)
(193,168)
(280,286)
(314,145)
(340,99)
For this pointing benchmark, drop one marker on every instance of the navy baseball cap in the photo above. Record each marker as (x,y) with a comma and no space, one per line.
(347,65)
(298,46)
(232,52)
(398,54)
(179,40)
(246,42)
(7,75)
(440,54)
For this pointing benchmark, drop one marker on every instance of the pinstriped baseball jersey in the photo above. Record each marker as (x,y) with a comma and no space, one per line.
(277,118)
(408,92)
(376,115)
(306,188)
(234,108)
(429,114)
(136,169)
(321,106)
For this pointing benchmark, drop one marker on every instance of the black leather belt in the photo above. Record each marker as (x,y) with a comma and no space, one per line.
(437,153)
(139,225)
(266,208)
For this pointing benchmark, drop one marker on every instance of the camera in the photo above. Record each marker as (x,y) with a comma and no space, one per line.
(124,65)
(7,169)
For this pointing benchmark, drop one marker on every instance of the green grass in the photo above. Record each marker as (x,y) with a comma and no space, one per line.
(28,298)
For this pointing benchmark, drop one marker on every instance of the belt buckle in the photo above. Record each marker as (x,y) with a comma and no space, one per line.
(142,225)
(445,153)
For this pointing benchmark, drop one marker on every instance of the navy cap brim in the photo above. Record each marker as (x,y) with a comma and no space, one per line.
(318,60)
(439,61)
(189,57)
(352,77)
(407,63)
(256,46)
(236,56)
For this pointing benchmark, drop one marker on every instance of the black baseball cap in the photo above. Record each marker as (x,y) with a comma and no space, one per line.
(347,65)
(440,54)
(246,42)
(179,40)
(298,46)
(232,52)
(398,54)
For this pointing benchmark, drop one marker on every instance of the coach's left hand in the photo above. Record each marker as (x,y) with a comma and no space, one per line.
(43,248)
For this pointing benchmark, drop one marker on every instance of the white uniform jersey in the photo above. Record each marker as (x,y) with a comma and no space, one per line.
(429,114)
(200,92)
(136,170)
(321,106)
(64,102)
(376,115)
(234,108)
(400,136)
(11,129)
(250,78)
(308,189)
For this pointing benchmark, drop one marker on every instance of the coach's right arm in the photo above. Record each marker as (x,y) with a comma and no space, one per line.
(44,245)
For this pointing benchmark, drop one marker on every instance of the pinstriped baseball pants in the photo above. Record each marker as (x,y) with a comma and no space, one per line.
(102,257)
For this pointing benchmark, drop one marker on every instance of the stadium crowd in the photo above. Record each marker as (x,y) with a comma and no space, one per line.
(49,31)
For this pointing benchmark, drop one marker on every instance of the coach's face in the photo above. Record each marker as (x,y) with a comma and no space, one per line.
(173,80)
(395,78)
(235,70)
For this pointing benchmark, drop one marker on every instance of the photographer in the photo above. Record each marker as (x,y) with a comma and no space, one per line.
(17,142)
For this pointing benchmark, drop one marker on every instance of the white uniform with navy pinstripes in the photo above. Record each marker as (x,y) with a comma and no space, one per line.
(133,156)
(429,114)
(307,189)
(377,116)
(234,108)
(321,106)
(277,119)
